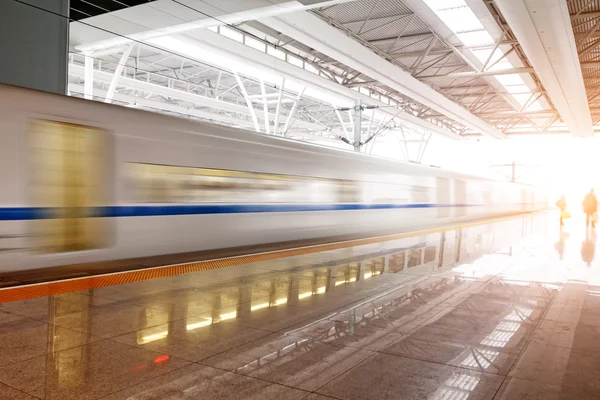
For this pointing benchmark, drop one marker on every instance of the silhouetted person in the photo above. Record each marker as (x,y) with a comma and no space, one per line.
(562,205)
(590,206)
(588,248)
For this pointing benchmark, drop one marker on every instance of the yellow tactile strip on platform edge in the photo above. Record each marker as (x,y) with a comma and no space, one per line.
(98,281)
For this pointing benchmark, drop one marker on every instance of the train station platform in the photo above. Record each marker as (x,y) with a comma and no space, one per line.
(508,309)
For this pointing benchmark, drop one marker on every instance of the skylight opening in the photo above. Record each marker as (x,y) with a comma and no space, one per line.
(463,22)
(510,80)
(231,34)
(456,14)
(475,38)
(517,88)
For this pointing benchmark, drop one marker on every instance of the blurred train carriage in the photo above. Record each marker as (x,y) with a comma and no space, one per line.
(84,181)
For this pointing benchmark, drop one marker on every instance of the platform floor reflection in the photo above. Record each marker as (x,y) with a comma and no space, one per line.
(501,311)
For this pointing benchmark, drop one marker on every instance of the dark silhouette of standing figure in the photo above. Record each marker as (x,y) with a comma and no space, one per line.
(590,206)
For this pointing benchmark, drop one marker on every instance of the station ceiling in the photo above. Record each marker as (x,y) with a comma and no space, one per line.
(459,68)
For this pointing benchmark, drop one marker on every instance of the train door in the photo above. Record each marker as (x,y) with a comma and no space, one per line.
(460,198)
(68,170)
(443,197)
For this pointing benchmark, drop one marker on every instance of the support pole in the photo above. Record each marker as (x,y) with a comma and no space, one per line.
(278,109)
(117,74)
(423,147)
(248,101)
(339,115)
(288,121)
(514,170)
(265,106)
(88,78)
(357,125)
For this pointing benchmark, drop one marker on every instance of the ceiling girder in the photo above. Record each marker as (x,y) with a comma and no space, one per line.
(311,30)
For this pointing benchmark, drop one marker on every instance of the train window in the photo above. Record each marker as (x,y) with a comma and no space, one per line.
(377,192)
(171,184)
(348,192)
(396,262)
(419,194)
(429,255)
(69,175)
(414,258)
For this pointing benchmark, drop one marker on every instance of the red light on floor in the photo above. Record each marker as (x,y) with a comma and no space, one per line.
(139,367)
(161,359)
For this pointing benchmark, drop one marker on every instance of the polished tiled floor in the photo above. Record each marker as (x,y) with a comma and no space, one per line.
(508,311)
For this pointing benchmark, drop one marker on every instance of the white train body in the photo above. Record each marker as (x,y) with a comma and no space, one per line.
(83,181)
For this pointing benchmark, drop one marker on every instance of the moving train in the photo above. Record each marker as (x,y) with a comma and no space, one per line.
(83,181)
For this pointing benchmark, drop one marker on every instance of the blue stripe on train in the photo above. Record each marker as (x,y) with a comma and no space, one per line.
(28,213)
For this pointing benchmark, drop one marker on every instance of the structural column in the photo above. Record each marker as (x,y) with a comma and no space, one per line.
(357,125)
(34,36)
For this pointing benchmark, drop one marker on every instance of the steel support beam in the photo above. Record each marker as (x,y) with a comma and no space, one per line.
(424,55)
(357,125)
(265,106)
(117,74)
(148,87)
(278,108)
(292,111)
(342,123)
(312,31)
(248,102)
(545,33)
(585,15)
(475,74)
(590,64)
(88,78)
(257,59)
(166,18)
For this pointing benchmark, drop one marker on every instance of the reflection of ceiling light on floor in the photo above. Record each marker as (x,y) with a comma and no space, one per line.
(368,275)
(259,306)
(154,337)
(196,325)
(340,283)
(463,381)
(230,315)
(306,294)
(321,289)
(457,387)
(281,301)
(508,326)
(352,280)
(484,358)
